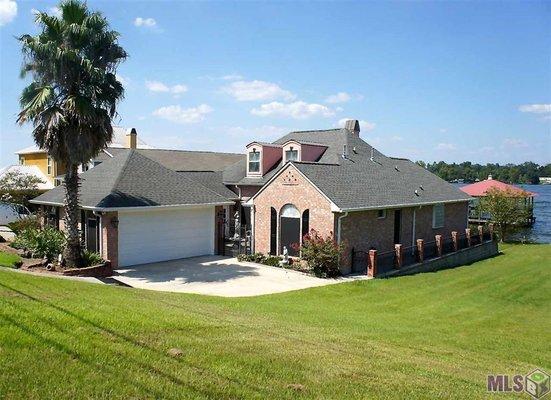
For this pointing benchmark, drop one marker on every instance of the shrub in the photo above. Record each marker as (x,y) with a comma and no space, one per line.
(272,261)
(91,258)
(22,224)
(321,254)
(256,257)
(45,243)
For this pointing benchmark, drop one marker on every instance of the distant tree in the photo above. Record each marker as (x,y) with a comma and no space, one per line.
(508,210)
(73,95)
(18,187)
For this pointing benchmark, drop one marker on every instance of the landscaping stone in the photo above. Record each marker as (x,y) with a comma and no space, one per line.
(175,352)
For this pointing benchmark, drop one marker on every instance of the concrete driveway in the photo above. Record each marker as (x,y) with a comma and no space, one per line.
(219,276)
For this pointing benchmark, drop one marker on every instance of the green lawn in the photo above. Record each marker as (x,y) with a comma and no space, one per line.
(425,336)
(8,259)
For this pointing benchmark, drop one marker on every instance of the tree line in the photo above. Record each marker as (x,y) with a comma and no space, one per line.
(527,172)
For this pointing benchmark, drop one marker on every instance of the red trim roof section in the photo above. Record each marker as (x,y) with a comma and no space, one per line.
(479,189)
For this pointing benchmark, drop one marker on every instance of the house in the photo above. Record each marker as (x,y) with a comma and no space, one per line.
(480,189)
(37,162)
(144,205)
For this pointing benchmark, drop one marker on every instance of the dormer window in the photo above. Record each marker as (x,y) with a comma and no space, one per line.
(254,161)
(291,154)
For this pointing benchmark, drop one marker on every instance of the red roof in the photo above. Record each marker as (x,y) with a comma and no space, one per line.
(480,188)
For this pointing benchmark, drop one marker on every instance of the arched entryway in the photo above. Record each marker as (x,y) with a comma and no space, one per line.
(290,228)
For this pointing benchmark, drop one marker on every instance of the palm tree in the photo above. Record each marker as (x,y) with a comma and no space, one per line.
(73,95)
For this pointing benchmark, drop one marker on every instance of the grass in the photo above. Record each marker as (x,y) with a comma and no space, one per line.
(431,335)
(8,259)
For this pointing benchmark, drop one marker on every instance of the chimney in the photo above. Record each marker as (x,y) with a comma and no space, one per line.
(353,125)
(131,138)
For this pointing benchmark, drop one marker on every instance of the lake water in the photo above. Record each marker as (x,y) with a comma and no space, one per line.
(540,232)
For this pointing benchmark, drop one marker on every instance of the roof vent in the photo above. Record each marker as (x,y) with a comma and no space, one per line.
(372,154)
(353,125)
(345,151)
(416,192)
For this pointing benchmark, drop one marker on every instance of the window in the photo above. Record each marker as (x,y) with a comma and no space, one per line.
(49,165)
(291,155)
(289,211)
(381,214)
(21,160)
(254,161)
(438,216)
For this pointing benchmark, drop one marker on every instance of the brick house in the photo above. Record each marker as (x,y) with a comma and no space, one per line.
(146,205)
(336,183)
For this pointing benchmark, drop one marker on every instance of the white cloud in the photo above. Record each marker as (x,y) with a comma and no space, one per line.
(364,125)
(178,89)
(183,115)
(232,77)
(160,87)
(256,91)
(145,22)
(296,110)
(535,108)
(446,146)
(8,11)
(341,97)
(516,143)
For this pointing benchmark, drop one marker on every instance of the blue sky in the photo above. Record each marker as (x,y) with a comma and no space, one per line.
(451,81)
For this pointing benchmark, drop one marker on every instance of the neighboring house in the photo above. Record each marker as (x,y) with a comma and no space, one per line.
(151,205)
(479,190)
(29,170)
(52,171)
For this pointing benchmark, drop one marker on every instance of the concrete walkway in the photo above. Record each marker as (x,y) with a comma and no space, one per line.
(219,276)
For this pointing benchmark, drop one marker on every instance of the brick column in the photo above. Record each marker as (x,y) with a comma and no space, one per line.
(481,233)
(491,227)
(438,239)
(468,236)
(110,237)
(454,241)
(372,263)
(420,250)
(398,248)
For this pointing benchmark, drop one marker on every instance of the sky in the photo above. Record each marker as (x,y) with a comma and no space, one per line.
(451,81)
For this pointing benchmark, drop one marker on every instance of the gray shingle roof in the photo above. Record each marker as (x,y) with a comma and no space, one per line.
(131,179)
(356,181)
(384,182)
(182,160)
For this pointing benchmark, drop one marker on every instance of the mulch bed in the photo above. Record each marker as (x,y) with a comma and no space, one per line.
(37,265)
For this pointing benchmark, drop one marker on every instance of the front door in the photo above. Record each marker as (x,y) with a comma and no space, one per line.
(290,234)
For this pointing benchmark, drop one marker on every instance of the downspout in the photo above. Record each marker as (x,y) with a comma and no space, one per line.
(339,225)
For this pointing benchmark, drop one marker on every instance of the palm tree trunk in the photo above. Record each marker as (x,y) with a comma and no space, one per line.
(73,252)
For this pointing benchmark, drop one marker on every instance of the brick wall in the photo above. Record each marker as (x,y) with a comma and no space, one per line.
(290,188)
(110,238)
(363,230)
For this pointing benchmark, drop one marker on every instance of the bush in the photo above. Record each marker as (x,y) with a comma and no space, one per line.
(272,261)
(256,257)
(321,254)
(20,225)
(46,243)
(91,258)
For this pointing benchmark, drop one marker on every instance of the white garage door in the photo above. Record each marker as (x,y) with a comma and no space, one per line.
(162,235)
